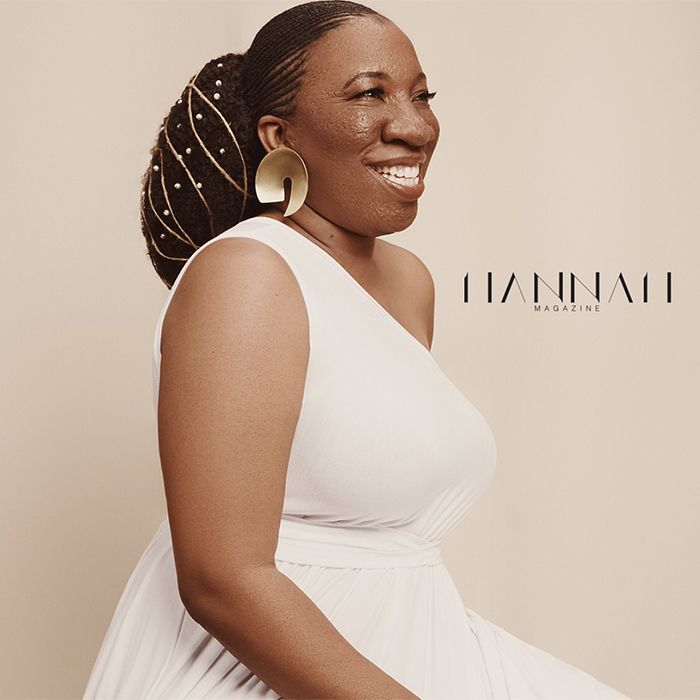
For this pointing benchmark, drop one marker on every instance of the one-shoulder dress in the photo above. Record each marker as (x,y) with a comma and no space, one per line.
(388,457)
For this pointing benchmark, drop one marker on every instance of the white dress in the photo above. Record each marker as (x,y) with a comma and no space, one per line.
(388,456)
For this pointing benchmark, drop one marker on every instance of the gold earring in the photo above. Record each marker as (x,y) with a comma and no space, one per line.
(278,165)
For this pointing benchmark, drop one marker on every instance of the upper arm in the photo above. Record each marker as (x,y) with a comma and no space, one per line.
(235,352)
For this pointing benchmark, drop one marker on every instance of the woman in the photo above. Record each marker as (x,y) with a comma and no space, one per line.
(313,453)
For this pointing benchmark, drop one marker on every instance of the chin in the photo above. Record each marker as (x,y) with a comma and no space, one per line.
(397,218)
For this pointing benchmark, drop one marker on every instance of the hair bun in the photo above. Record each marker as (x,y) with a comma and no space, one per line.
(201,176)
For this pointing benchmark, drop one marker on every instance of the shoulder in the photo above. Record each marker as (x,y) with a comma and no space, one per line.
(240,263)
(242,254)
(236,279)
(410,270)
(412,282)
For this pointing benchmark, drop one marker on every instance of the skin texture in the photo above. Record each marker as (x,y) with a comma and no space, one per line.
(338,130)
(235,351)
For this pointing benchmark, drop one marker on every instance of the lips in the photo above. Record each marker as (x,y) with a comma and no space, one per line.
(404,180)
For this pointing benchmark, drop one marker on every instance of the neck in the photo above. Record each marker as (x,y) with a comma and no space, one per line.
(347,247)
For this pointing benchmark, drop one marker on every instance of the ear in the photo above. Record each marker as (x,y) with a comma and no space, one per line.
(272,131)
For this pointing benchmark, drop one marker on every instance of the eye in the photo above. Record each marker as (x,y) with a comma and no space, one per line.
(371,90)
(424,96)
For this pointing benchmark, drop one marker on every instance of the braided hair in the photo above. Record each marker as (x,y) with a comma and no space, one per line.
(201,175)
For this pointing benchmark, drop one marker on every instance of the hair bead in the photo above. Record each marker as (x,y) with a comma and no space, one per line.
(265,78)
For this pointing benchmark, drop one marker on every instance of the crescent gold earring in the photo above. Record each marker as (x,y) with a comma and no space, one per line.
(278,165)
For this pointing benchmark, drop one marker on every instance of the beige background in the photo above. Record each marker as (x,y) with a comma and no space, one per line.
(569,142)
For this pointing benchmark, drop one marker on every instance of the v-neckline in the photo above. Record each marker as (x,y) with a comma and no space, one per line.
(333,262)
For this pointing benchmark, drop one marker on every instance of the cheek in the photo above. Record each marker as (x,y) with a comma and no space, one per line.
(330,139)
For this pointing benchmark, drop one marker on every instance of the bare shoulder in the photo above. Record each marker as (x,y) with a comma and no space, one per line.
(413,286)
(408,262)
(411,272)
(237,277)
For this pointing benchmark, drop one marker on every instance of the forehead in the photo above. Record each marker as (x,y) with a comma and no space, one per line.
(360,44)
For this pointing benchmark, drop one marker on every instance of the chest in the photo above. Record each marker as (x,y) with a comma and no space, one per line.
(382,430)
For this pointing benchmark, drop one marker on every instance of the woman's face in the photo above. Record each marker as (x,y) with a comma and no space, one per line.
(346,126)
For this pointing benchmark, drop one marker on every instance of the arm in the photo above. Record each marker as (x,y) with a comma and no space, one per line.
(235,350)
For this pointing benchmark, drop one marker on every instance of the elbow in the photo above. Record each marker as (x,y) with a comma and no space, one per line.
(192,600)
(205,596)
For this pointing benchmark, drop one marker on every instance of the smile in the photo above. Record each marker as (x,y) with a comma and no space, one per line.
(400,174)
(404,180)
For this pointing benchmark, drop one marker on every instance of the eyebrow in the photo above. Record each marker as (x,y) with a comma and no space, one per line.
(376,74)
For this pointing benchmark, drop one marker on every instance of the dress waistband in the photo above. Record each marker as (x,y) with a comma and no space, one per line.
(349,547)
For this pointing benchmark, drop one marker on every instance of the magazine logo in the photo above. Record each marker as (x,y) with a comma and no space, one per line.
(575,295)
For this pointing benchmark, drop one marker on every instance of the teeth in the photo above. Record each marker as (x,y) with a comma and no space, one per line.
(401,174)
(406,181)
(398,170)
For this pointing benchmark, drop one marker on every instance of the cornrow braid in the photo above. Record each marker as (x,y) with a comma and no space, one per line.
(200,180)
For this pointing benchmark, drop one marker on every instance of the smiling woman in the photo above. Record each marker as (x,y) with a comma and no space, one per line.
(314,455)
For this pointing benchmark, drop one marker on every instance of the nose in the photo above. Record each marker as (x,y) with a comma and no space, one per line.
(406,122)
